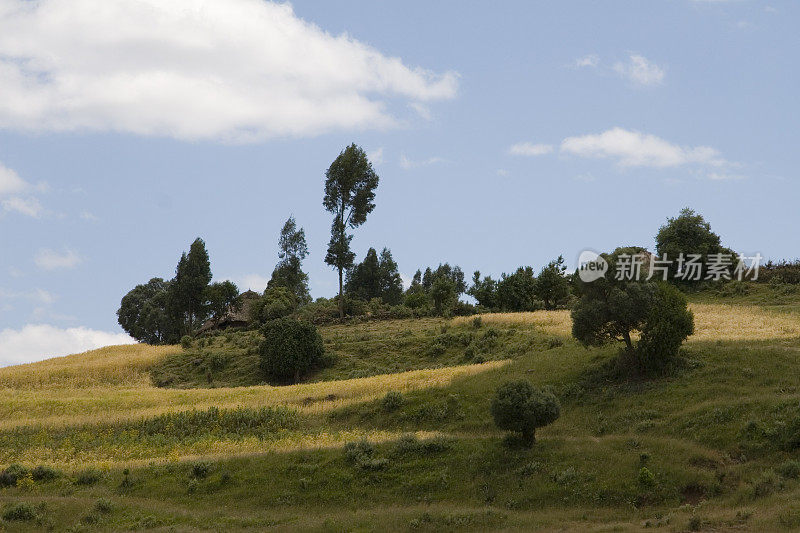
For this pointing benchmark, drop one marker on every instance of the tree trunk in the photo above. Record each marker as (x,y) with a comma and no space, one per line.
(341,296)
(627,338)
(529,437)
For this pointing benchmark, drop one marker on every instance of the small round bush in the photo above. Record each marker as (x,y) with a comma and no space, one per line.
(392,401)
(201,470)
(646,478)
(290,349)
(45,473)
(521,408)
(103,506)
(10,476)
(359,452)
(89,476)
(19,512)
(186,342)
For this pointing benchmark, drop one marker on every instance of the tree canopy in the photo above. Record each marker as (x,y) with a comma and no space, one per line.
(292,250)
(350,184)
(376,277)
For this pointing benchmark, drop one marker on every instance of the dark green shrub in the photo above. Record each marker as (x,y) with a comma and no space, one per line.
(392,401)
(477,322)
(789,469)
(521,408)
(359,452)
(290,349)
(411,445)
(45,473)
(103,506)
(88,476)
(646,477)
(186,342)
(668,324)
(90,519)
(9,476)
(201,470)
(21,512)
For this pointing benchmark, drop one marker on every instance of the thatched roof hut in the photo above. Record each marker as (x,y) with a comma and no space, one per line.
(237,316)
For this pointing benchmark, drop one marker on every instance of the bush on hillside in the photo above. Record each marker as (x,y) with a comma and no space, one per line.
(277,302)
(21,512)
(12,473)
(290,349)
(668,324)
(392,401)
(521,408)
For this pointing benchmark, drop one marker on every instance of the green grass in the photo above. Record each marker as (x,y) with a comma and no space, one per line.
(713,445)
(231,359)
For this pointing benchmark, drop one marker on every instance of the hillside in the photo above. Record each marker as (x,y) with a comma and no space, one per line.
(198,455)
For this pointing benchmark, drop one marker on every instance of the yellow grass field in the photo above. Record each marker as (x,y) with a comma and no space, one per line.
(712,322)
(84,404)
(112,385)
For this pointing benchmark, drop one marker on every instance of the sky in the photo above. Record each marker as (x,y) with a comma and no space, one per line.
(504,134)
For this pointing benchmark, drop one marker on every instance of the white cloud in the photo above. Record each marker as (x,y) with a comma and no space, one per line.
(35,342)
(48,259)
(422,110)
(376,156)
(590,60)
(88,216)
(635,149)
(640,71)
(407,163)
(502,172)
(25,206)
(252,282)
(724,176)
(530,149)
(233,70)
(10,182)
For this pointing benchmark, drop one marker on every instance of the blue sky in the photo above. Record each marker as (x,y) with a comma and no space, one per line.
(504,134)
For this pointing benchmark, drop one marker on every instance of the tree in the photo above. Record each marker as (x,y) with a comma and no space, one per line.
(443,295)
(222,297)
(454,274)
(668,324)
(144,314)
(192,276)
(350,184)
(376,277)
(518,406)
(689,233)
(290,349)
(552,287)
(610,310)
(484,290)
(277,302)
(292,251)
(517,291)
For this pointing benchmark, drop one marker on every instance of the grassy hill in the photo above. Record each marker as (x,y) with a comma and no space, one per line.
(719,438)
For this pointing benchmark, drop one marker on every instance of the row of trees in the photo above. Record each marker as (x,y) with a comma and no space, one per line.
(161,312)
(523,290)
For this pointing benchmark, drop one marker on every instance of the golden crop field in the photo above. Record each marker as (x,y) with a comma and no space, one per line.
(111,386)
(712,322)
(81,405)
